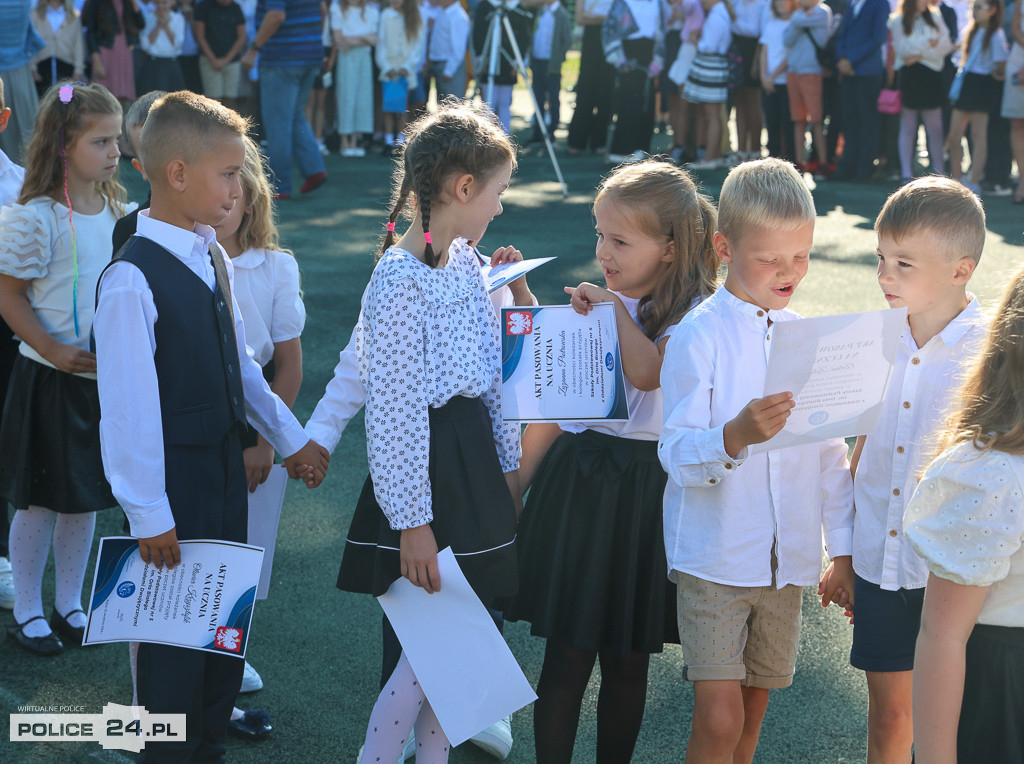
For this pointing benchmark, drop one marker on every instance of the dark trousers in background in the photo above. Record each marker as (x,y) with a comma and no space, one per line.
(633,101)
(190,69)
(545,89)
(999,162)
(778,122)
(592,115)
(831,117)
(858,98)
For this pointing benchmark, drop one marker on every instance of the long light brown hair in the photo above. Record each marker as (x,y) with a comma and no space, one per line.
(57,129)
(257,229)
(664,204)
(991,413)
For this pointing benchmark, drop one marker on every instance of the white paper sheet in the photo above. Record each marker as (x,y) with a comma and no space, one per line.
(838,368)
(264,515)
(500,275)
(465,668)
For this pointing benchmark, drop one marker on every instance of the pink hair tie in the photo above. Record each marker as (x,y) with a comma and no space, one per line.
(426,237)
(65,93)
(391,227)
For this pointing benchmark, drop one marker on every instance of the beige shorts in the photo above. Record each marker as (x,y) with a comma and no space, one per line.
(744,633)
(220,84)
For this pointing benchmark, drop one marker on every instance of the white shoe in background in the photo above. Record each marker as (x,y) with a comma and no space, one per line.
(496,739)
(251,681)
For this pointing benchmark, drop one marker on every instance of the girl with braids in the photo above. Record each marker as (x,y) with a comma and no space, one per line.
(54,242)
(592,570)
(443,465)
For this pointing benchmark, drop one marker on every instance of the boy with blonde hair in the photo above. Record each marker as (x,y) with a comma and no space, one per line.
(743,531)
(930,236)
(176,385)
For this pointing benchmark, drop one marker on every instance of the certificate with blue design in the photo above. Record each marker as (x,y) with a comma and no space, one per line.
(558,365)
(838,369)
(204,603)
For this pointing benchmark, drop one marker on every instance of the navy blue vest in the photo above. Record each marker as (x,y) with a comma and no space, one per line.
(196,358)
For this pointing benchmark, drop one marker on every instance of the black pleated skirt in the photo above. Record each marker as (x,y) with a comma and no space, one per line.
(473,510)
(50,441)
(592,570)
(992,716)
(921,87)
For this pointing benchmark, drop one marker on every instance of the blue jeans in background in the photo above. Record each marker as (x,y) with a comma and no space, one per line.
(284,91)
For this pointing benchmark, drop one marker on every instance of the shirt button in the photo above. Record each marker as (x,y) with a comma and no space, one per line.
(915,360)
(906,404)
(895,491)
(760,314)
(767,337)
(234,400)
(899,449)
(893,533)
(728,466)
(712,481)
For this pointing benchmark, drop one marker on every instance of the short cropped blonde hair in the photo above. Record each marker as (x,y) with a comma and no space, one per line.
(763,194)
(185,125)
(941,206)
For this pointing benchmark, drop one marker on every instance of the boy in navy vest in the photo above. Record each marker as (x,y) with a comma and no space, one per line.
(177,384)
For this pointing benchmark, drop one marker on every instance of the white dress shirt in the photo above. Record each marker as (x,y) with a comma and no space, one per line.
(716,34)
(131,430)
(749,17)
(724,515)
(965,520)
(919,397)
(163,46)
(267,291)
(449,38)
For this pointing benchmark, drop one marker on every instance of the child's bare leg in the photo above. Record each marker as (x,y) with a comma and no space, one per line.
(957,125)
(712,114)
(755,703)
(718,713)
(979,147)
(890,716)
(819,142)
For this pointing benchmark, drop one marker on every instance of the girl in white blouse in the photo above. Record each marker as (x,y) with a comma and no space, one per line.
(54,242)
(443,464)
(966,521)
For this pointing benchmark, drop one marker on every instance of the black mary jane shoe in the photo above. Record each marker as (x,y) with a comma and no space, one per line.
(71,634)
(48,645)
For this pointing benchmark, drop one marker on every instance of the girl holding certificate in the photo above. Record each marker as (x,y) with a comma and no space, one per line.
(592,569)
(443,465)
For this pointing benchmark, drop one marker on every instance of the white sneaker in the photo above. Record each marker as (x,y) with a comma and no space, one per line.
(496,739)
(251,681)
(358,151)
(323,148)
(6,584)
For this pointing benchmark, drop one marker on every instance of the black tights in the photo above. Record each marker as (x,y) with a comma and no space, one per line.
(620,703)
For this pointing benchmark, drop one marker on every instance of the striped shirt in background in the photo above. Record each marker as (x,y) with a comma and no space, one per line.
(298,41)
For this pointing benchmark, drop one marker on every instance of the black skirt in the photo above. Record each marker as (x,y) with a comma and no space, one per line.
(992,715)
(979,92)
(921,88)
(473,510)
(592,570)
(50,441)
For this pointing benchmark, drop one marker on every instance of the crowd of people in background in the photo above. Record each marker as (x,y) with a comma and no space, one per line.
(841,88)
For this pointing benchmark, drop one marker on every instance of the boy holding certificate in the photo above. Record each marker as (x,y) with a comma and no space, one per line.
(176,386)
(743,531)
(930,236)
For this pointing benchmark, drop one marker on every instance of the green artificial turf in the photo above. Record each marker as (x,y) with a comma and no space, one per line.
(318,649)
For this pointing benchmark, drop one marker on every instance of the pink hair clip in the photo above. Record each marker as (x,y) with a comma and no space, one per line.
(391,227)
(65,93)
(426,237)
